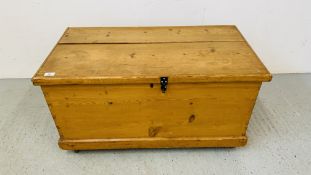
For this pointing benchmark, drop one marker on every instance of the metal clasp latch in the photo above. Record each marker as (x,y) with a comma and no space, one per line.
(163,82)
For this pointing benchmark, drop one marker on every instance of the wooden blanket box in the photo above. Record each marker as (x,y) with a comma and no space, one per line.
(151,87)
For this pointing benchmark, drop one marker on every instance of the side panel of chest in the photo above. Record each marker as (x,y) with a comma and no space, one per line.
(140,115)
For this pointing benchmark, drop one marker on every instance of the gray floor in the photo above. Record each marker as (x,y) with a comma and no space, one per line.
(279,139)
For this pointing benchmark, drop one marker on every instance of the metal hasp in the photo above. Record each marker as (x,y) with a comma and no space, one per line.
(163,82)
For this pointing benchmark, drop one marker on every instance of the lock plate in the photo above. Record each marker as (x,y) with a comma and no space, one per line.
(163,82)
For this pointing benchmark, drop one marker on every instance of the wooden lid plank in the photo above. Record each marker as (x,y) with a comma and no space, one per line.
(150,34)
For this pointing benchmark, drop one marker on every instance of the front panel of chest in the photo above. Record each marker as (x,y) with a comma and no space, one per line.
(144,111)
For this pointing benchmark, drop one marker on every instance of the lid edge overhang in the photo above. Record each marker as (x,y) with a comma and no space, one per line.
(150,79)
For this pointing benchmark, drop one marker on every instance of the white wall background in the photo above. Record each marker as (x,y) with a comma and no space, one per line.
(278,30)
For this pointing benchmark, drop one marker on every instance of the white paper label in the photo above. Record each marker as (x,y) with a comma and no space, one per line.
(49,74)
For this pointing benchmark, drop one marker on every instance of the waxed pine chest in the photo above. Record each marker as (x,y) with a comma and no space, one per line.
(151,87)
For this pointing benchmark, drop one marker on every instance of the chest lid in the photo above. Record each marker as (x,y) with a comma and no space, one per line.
(114,55)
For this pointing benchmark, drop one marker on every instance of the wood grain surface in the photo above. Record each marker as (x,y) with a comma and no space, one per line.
(150,34)
(141,111)
(75,60)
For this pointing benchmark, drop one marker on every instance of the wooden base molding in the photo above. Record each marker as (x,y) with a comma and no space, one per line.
(125,143)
